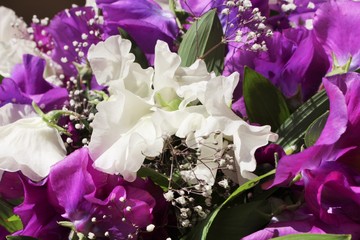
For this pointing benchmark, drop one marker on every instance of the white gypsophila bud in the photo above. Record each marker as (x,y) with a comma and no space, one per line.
(169,196)
(224,183)
(247,4)
(181,200)
(225,11)
(150,227)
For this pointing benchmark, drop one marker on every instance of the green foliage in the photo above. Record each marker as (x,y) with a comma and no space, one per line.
(292,131)
(8,219)
(313,132)
(156,177)
(264,103)
(204,40)
(315,237)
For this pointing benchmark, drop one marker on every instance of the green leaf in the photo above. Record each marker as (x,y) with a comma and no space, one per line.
(239,221)
(202,230)
(139,55)
(156,177)
(313,132)
(1,78)
(292,131)
(20,238)
(264,103)
(8,219)
(204,40)
(307,236)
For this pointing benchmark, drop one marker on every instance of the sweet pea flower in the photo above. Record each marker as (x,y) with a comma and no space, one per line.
(101,205)
(337,35)
(283,64)
(19,127)
(337,141)
(143,20)
(39,213)
(331,193)
(27,84)
(167,104)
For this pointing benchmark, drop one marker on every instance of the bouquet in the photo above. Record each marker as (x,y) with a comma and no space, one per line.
(187,119)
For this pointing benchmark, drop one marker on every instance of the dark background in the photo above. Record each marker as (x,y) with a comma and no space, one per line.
(41,8)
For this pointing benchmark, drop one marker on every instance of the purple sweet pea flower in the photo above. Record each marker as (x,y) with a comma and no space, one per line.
(294,59)
(332,205)
(339,140)
(68,37)
(145,21)
(39,216)
(105,205)
(338,34)
(332,193)
(3,233)
(27,84)
(302,222)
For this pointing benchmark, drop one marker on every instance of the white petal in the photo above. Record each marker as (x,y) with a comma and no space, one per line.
(12,52)
(115,117)
(29,145)
(246,139)
(127,154)
(218,95)
(10,113)
(110,60)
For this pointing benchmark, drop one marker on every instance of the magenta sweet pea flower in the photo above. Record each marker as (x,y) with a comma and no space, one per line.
(338,140)
(332,193)
(101,205)
(38,214)
(334,27)
(145,21)
(27,84)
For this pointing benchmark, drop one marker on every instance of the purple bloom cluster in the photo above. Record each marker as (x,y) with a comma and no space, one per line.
(95,203)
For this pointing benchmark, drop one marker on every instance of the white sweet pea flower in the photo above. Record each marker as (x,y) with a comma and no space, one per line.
(123,134)
(27,143)
(110,60)
(146,105)
(171,81)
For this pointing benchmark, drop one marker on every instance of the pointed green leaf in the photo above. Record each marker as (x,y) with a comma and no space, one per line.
(139,55)
(313,132)
(1,78)
(264,103)
(7,218)
(307,236)
(291,132)
(204,40)
(156,177)
(239,221)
